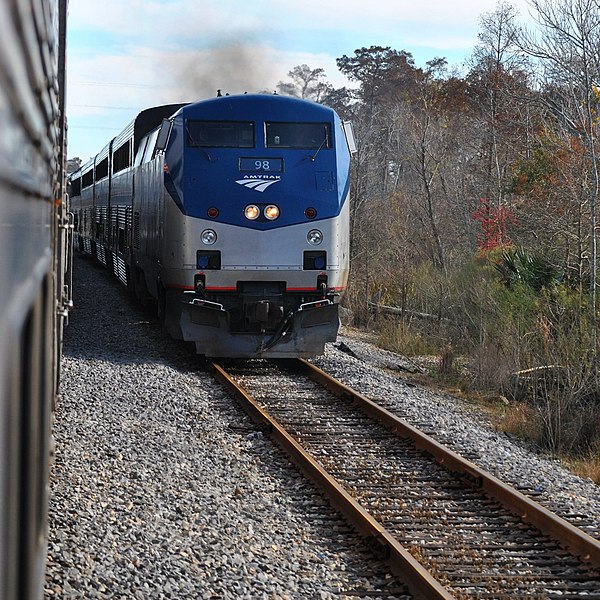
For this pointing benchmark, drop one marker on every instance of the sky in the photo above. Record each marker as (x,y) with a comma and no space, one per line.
(123,57)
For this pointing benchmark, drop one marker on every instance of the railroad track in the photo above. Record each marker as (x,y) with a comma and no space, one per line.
(448,528)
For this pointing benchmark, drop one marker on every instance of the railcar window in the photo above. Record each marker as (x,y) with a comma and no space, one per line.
(140,152)
(298,135)
(76,187)
(220,134)
(87,179)
(149,152)
(102,169)
(122,157)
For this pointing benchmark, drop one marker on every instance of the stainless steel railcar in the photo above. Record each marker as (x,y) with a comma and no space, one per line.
(34,228)
(233,214)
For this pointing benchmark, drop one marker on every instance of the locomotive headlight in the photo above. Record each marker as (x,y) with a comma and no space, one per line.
(208,237)
(271,212)
(314,237)
(251,211)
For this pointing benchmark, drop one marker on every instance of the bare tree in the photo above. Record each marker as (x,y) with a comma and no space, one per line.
(428,153)
(566,47)
(306,83)
(499,82)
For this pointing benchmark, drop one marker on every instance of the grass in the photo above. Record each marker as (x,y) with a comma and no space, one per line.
(587,467)
(520,420)
(446,372)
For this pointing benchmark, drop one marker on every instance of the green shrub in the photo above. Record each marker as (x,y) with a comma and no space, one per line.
(523,331)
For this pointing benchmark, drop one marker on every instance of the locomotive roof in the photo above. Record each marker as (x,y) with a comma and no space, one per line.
(277,106)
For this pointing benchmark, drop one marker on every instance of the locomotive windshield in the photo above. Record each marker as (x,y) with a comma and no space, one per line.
(298,135)
(220,134)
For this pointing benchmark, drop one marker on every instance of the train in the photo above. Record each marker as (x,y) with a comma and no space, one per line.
(231,214)
(35,263)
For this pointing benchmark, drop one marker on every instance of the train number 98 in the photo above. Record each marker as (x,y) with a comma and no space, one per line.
(271,165)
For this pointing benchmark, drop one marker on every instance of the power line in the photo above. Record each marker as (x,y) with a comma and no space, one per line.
(94,127)
(115,84)
(107,107)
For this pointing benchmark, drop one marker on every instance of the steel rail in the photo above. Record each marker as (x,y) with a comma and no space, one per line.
(419,580)
(557,528)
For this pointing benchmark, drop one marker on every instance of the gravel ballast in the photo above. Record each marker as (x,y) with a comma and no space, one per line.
(163,488)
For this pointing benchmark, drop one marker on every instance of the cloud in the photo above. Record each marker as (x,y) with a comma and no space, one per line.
(171,21)
(142,77)
(126,56)
(387,13)
(177,22)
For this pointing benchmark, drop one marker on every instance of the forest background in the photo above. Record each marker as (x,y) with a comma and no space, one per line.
(474,201)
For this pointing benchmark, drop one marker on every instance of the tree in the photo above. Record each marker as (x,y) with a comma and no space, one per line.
(567,50)
(428,124)
(385,75)
(498,86)
(550,187)
(494,224)
(306,83)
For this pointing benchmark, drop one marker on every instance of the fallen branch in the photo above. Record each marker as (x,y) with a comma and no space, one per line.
(396,310)
(537,370)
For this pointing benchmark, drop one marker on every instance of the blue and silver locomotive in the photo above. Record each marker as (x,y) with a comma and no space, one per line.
(233,213)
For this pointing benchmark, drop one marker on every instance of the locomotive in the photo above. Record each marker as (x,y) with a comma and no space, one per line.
(34,278)
(232,213)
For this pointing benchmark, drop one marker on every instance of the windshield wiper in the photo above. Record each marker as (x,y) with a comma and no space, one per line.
(195,144)
(314,157)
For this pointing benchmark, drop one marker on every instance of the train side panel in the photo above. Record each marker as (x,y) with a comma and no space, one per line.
(34,295)
(149,223)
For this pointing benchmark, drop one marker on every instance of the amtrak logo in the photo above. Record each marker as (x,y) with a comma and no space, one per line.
(260,184)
